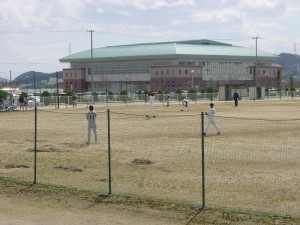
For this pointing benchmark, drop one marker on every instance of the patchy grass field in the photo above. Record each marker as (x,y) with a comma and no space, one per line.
(252,166)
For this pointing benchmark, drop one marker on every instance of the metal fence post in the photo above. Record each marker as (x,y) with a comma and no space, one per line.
(203,165)
(35,133)
(109,151)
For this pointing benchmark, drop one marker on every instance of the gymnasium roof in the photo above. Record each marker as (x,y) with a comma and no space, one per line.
(200,49)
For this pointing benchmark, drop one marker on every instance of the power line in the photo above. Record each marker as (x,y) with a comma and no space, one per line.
(38,31)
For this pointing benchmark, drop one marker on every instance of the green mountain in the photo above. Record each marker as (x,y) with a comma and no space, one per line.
(28,77)
(290,64)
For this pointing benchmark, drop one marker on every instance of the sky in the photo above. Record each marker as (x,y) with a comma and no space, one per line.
(35,34)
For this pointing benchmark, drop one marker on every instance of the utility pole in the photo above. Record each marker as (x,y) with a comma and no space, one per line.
(92,62)
(57,92)
(10,81)
(255,67)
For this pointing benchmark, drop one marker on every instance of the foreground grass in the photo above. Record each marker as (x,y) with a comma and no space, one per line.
(186,214)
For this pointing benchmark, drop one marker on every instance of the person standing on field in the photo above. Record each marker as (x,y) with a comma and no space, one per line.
(168,99)
(21,102)
(91,117)
(211,119)
(26,104)
(74,100)
(236,98)
(151,107)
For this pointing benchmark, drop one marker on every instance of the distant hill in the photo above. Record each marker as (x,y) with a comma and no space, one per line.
(290,64)
(28,77)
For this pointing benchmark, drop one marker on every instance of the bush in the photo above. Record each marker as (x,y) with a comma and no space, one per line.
(46,98)
(192,94)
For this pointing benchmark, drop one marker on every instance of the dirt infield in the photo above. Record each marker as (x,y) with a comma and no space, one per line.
(160,158)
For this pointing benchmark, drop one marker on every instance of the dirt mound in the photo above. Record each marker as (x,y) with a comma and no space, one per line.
(142,161)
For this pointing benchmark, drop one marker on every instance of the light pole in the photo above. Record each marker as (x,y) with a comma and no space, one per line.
(92,62)
(27,84)
(268,93)
(126,90)
(255,69)
(192,73)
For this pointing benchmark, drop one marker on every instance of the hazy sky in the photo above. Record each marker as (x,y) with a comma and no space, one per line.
(34,34)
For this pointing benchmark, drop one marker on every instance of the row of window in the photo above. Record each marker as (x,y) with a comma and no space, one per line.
(70,74)
(208,68)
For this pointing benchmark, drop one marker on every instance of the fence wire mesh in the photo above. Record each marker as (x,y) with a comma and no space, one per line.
(253,165)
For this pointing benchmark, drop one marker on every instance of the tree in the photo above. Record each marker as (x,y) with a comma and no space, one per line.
(192,94)
(46,97)
(24,94)
(292,83)
(45,94)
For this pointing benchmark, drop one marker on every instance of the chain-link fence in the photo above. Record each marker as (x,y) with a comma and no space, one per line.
(253,165)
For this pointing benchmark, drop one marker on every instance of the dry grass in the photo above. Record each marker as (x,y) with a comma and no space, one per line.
(252,165)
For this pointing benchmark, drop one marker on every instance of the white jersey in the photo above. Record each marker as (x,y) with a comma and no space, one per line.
(185,103)
(211,114)
(151,98)
(91,116)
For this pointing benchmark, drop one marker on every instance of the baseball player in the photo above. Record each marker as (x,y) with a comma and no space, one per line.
(185,104)
(211,118)
(151,101)
(91,117)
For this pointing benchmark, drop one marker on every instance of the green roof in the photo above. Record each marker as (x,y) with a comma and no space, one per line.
(189,49)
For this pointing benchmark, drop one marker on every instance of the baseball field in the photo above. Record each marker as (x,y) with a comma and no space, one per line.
(252,166)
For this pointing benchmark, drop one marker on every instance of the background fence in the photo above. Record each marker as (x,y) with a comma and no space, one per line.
(65,101)
(253,165)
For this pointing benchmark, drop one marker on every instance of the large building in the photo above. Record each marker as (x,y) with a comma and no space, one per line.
(169,66)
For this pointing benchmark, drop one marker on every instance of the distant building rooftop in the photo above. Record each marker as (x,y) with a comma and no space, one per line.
(174,49)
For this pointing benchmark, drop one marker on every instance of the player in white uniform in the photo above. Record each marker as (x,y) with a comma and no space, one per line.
(211,118)
(91,117)
(151,102)
(185,104)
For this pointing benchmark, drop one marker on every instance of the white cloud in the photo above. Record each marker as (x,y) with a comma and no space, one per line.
(133,21)
(100,10)
(293,10)
(266,7)
(123,13)
(222,16)
(149,4)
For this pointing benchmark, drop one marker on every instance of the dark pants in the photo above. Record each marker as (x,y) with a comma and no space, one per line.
(236,102)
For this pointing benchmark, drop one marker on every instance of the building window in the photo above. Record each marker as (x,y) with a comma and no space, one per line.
(179,72)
